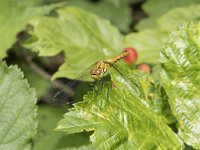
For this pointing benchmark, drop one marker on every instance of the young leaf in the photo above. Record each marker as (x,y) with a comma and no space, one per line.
(156,8)
(180,60)
(84,38)
(17,110)
(19,12)
(120,118)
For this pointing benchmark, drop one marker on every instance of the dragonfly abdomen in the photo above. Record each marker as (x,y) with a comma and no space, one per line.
(117,58)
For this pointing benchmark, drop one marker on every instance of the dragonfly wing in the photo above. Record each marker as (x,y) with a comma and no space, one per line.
(85,75)
(128,81)
(65,93)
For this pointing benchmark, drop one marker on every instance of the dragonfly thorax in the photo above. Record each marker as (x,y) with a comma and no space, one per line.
(99,69)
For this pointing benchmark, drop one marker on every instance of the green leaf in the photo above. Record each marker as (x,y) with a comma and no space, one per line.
(175,17)
(156,8)
(14,15)
(120,117)
(84,38)
(117,11)
(180,60)
(17,110)
(156,98)
(46,138)
(148,43)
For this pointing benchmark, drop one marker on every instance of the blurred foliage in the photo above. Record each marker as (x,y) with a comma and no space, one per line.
(148,43)
(117,11)
(156,8)
(91,38)
(178,16)
(14,16)
(96,43)
(47,138)
(85,147)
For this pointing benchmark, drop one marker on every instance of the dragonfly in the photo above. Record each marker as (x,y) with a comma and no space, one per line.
(97,71)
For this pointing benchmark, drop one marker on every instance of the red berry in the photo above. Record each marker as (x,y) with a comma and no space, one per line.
(144,67)
(132,56)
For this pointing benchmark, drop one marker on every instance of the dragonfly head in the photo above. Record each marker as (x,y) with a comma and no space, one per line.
(99,70)
(96,73)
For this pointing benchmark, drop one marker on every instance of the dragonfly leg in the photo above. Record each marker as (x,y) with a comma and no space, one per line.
(113,84)
(98,85)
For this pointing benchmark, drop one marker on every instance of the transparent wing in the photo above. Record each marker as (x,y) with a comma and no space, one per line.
(129,81)
(66,92)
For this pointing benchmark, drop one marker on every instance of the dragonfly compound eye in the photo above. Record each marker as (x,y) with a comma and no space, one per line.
(99,71)
(96,73)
